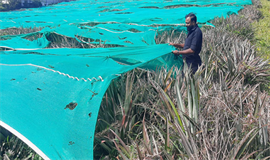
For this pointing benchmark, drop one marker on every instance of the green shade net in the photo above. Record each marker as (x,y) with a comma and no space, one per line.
(50,98)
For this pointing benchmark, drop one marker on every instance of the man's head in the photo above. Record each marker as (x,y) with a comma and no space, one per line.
(191,21)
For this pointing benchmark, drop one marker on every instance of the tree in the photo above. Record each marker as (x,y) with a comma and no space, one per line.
(14,4)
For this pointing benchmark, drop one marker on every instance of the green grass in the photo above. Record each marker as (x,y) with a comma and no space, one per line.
(262,30)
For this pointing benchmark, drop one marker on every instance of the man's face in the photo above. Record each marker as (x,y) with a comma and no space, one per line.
(189,24)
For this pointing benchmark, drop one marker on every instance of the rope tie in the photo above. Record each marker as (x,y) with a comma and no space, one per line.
(71,77)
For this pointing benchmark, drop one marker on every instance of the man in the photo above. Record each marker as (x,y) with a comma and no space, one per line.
(193,43)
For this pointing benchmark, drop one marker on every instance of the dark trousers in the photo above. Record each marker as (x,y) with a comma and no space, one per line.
(194,67)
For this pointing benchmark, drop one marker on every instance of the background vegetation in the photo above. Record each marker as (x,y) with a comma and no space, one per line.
(262,29)
(16,4)
(221,112)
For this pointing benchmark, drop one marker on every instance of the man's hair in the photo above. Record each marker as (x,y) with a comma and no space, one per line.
(192,17)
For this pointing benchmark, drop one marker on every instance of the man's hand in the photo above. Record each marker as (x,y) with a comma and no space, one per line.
(175,52)
(187,51)
(176,45)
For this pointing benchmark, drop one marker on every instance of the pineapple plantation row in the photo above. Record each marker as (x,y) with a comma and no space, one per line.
(221,112)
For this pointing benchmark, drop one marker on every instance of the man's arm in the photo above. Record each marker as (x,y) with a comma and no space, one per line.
(187,51)
(177,45)
(197,38)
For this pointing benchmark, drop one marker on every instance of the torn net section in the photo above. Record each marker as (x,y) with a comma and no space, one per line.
(51,97)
